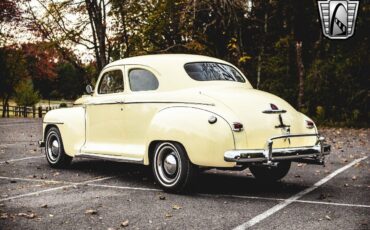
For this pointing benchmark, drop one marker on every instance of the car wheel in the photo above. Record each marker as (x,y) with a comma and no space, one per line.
(271,173)
(171,167)
(54,149)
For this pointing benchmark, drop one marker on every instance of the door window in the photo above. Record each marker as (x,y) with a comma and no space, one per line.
(142,80)
(111,82)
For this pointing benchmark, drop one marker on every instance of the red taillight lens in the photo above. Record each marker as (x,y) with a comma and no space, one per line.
(274,107)
(237,126)
(310,124)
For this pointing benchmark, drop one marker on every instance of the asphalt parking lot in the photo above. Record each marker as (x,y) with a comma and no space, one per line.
(94,194)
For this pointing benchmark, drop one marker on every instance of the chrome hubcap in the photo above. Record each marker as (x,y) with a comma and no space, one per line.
(167,164)
(53,148)
(170,164)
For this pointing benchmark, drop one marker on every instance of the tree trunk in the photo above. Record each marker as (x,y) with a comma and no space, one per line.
(300,70)
(259,65)
(4,108)
(97,17)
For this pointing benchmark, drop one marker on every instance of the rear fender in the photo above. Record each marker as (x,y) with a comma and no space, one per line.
(205,143)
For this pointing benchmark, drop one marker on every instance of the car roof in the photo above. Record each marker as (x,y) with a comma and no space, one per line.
(157,60)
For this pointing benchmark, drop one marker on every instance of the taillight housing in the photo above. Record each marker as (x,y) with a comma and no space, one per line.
(310,124)
(237,126)
(274,107)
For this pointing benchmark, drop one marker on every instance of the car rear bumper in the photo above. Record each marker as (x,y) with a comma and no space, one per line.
(308,154)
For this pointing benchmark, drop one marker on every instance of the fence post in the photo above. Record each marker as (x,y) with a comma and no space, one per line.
(34,111)
(40,112)
(7,110)
(24,111)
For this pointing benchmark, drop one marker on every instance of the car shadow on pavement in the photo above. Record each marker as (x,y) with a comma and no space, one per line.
(208,182)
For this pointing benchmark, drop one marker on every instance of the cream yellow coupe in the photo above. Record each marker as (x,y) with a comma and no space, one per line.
(178,114)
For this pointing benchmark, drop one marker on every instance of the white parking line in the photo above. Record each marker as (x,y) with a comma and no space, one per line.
(295,197)
(56,188)
(281,199)
(125,187)
(36,180)
(21,159)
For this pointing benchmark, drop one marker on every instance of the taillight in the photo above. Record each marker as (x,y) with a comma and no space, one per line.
(274,107)
(237,126)
(310,124)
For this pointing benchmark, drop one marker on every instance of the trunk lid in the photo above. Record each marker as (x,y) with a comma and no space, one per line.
(248,106)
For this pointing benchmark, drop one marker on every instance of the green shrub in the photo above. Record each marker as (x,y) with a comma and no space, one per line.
(25,95)
(63,105)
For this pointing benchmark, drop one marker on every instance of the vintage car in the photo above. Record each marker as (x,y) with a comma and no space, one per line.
(181,113)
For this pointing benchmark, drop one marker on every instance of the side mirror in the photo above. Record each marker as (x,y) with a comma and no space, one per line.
(89,89)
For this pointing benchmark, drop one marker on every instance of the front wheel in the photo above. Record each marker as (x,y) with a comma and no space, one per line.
(270,173)
(54,149)
(171,167)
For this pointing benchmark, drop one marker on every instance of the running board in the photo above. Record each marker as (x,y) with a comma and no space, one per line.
(109,158)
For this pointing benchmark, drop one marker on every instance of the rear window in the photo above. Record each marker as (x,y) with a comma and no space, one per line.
(212,71)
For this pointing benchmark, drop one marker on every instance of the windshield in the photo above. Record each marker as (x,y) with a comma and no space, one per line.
(212,71)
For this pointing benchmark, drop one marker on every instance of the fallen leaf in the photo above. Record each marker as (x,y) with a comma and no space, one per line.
(27,215)
(346,185)
(44,206)
(299,164)
(56,174)
(168,215)
(354,178)
(51,215)
(125,223)
(13,181)
(297,176)
(176,207)
(327,217)
(91,211)
(4,216)
(161,197)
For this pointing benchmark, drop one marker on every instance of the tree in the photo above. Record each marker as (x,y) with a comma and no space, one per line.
(69,23)
(13,70)
(9,12)
(25,95)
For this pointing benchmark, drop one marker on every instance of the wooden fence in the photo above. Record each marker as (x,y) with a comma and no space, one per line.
(26,111)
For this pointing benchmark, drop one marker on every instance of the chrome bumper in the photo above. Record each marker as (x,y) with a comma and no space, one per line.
(311,155)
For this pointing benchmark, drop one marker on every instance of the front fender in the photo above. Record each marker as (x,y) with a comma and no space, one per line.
(71,125)
(205,143)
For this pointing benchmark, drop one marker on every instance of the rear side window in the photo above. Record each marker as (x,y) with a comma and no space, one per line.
(212,71)
(142,80)
(111,82)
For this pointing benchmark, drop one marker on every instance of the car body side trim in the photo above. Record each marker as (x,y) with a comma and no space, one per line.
(109,158)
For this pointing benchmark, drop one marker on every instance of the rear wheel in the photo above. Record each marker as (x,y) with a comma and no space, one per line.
(54,149)
(171,167)
(271,173)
